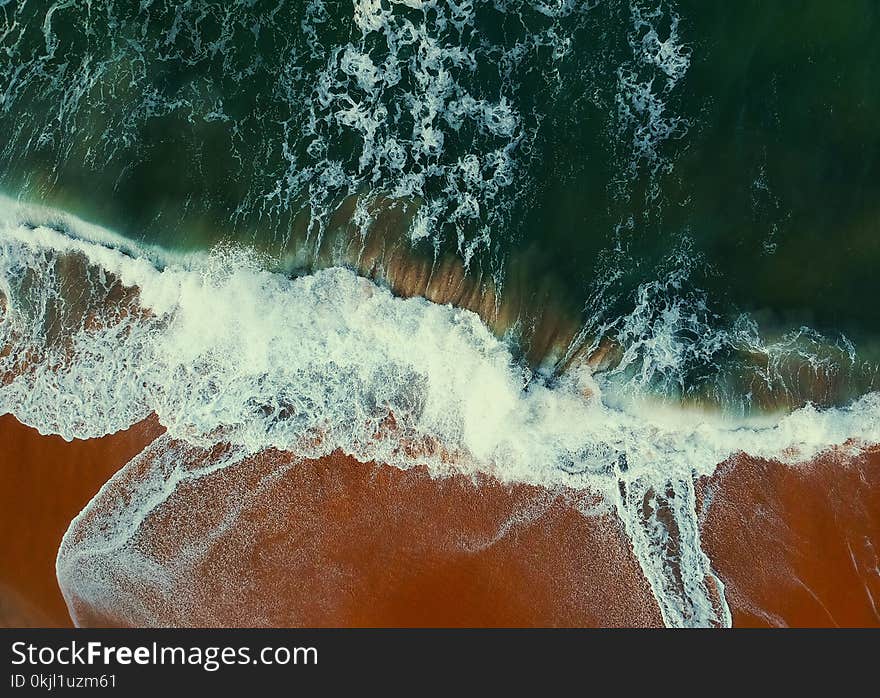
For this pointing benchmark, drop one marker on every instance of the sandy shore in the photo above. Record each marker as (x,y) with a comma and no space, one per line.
(45,482)
(797,545)
(336,542)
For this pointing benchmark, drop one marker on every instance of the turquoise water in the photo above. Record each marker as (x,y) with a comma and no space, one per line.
(695,181)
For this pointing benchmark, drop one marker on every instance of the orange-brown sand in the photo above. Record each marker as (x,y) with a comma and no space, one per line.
(45,482)
(797,545)
(337,542)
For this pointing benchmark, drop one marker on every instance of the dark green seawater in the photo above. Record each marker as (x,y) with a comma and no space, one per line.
(698,181)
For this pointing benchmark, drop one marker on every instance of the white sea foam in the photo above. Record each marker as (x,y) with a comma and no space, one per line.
(225,352)
(660,61)
(424,95)
(410,90)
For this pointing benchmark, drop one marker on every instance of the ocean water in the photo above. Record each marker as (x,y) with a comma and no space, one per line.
(594,245)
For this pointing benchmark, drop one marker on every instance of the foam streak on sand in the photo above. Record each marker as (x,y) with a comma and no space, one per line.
(96,335)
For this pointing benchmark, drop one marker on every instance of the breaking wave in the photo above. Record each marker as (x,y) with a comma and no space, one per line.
(97,333)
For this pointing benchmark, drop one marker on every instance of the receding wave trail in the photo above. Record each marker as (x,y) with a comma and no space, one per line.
(97,334)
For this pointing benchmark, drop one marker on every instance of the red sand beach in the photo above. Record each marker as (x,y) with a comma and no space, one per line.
(336,542)
(45,482)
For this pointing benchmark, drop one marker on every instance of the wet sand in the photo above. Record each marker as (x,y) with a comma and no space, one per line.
(336,542)
(797,545)
(45,482)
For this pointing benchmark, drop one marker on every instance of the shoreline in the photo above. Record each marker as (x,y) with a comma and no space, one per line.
(376,546)
(539,332)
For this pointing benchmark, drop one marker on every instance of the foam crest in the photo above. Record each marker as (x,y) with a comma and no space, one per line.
(225,352)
